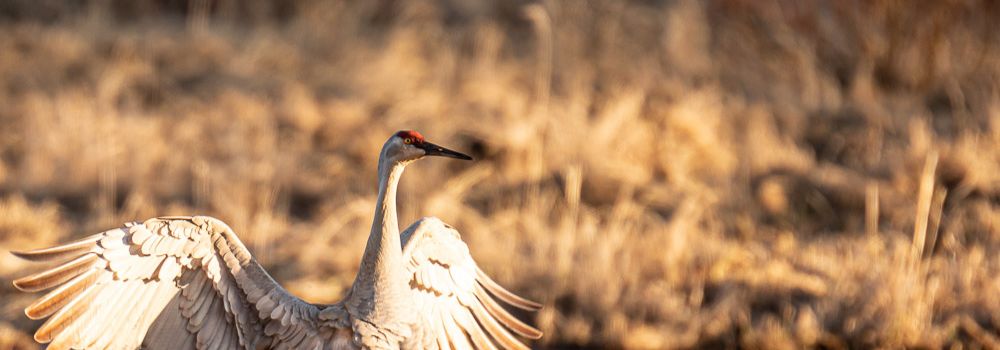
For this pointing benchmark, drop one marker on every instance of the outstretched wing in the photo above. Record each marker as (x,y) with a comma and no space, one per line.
(168,283)
(454,299)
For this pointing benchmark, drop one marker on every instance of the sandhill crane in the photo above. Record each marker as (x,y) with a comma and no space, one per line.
(189,283)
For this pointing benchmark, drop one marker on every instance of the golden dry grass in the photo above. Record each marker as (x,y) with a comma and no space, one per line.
(660,174)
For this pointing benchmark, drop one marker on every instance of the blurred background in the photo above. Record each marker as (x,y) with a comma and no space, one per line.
(660,174)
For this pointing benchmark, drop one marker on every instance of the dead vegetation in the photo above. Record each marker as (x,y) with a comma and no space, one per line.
(662,174)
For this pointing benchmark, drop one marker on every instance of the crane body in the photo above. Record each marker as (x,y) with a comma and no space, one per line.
(190,283)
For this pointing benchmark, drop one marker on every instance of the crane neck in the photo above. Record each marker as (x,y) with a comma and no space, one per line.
(380,281)
(386,223)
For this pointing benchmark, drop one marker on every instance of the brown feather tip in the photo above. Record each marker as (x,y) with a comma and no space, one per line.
(60,251)
(55,276)
(503,294)
(505,317)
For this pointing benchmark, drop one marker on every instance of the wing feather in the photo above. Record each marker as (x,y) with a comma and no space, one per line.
(168,283)
(441,334)
(505,317)
(468,323)
(172,328)
(201,307)
(71,331)
(64,251)
(456,336)
(505,295)
(137,307)
(70,308)
(112,292)
(498,332)
(56,275)
(59,297)
(456,308)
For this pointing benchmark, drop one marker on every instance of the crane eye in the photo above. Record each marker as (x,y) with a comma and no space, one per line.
(408,140)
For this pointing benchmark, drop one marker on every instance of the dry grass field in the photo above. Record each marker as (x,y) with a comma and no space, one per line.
(660,174)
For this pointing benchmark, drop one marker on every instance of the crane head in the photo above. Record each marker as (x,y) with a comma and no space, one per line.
(410,145)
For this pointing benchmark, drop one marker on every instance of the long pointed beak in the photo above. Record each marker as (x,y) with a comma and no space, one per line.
(435,150)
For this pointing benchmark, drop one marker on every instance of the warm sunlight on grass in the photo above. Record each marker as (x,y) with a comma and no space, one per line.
(660,174)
